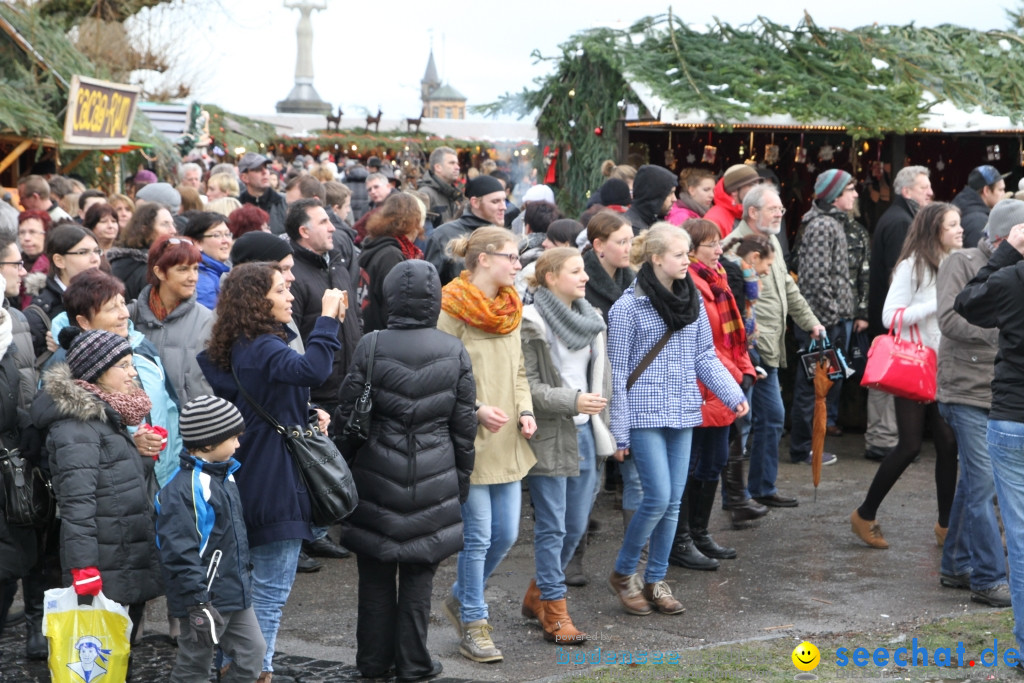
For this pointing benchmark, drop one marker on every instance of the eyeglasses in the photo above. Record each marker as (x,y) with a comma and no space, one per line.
(512,258)
(30,233)
(125,365)
(712,245)
(84,252)
(781,210)
(218,235)
(20,264)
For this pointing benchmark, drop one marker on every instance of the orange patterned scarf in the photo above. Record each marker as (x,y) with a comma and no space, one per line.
(461,299)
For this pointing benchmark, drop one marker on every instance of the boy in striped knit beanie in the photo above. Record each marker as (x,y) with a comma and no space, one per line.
(203,548)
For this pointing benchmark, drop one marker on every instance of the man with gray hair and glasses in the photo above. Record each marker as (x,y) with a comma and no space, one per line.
(779,297)
(912,189)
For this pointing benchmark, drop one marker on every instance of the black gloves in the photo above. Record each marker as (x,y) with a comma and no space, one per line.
(746,383)
(204,622)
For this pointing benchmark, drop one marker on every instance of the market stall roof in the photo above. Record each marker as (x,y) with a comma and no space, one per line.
(942,117)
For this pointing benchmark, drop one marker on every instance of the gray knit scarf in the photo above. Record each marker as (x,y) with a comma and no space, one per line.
(576,327)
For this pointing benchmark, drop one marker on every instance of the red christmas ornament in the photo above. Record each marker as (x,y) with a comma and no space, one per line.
(599,131)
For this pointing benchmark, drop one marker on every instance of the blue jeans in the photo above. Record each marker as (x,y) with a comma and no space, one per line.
(802,410)
(561,511)
(662,458)
(709,452)
(973,542)
(769,416)
(273,572)
(1006,448)
(490,525)
(632,490)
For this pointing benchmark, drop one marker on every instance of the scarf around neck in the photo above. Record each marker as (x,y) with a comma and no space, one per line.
(409,250)
(603,285)
(577,326)
(678,307)
(461,299)
(725,303)
(131,407)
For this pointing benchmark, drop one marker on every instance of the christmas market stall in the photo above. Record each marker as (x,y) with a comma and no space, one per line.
(795,101)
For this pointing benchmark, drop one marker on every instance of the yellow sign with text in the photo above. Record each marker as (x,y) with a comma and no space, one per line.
(100,113)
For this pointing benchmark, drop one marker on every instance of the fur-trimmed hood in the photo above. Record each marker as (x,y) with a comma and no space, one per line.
(34,283)
(140,255)
(62,399)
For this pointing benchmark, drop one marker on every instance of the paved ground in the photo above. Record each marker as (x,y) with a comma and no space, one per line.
(800,572)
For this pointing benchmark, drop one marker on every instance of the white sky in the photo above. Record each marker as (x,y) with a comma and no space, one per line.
(242,52)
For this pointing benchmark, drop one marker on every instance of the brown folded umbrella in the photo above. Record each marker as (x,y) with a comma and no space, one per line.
(821,386)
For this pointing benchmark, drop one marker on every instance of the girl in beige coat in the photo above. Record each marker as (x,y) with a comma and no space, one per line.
(481,307)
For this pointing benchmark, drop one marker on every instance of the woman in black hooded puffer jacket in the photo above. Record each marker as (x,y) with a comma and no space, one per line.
(412,474)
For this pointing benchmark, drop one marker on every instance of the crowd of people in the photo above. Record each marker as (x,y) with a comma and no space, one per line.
(145,339)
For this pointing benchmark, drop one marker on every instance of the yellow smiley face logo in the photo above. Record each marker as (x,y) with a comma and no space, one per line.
(806,656)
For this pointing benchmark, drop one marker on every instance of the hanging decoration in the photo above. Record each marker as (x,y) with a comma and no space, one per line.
(801,152)
(691,157)
(826,153)
(670,155)
(710,152)
(993,153)
(599,131)
(771,154)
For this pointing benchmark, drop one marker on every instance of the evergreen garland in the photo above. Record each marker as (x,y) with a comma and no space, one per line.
(874,79)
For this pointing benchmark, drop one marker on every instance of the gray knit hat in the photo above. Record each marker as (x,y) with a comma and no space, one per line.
(207,421)
(90,353)
(1004,215)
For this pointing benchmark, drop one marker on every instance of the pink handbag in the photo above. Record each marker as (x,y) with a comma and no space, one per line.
(901,367)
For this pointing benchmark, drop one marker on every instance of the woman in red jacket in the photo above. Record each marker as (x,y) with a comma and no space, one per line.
(694,548)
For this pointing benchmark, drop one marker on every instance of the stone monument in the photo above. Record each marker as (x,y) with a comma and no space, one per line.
(303,99)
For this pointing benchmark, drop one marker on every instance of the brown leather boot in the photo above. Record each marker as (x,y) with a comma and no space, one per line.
(533,606)
(627,588)
(660,595)
(265,677)
(558,626)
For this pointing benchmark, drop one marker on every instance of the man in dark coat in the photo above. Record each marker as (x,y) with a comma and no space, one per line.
(439,184)
(412,474)
(355,180)
(654,191)
(986,186)
(486,207)
(912,189)
(253,171)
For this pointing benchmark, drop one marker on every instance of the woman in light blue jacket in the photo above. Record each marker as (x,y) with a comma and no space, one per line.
(656,402)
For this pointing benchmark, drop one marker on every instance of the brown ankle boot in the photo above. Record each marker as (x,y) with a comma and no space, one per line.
(627,588)
(558,626)
(660,595)
(533,606)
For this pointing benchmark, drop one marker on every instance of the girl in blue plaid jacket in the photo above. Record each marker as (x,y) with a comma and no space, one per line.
(652,416)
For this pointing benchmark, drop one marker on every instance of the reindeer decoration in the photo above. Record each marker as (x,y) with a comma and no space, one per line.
(335,119)
(375,120)
(409,123)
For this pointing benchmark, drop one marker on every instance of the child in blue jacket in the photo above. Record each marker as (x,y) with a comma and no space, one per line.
(203,548)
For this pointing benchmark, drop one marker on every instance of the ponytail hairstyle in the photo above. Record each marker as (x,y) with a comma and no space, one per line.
(603,223)
(757,244)
(656,240)
(486,239)
(551,261)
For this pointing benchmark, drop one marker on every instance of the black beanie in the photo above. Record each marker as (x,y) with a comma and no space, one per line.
(259,246)
(615,192)
(483,185)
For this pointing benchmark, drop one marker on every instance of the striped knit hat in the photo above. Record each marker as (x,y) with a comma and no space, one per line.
(208,421)
(90,353)
(831,184)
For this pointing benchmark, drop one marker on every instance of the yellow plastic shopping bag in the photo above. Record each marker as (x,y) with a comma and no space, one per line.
(87,642)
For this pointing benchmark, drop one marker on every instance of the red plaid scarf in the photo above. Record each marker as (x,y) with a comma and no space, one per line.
(725,303)
(409,250)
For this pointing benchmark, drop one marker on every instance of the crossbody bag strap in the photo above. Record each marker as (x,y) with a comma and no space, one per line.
(369,363)
(648,359)
(260,410)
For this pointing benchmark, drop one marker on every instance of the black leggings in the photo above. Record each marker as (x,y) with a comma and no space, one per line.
(910,422)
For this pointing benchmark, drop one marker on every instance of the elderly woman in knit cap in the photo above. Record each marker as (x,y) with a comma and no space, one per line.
(101,482)
(824,270)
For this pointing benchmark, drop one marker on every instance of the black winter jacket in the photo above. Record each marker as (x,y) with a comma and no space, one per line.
(273,203)
(650,188)
(886,245)
(17,544)
(355,180)
(995,298)
(973,215)
(445,199)
(129,266)
(413,472)
(101,485)
(448,267)
(378,257)
(51,300)
(313,277)
(198,512)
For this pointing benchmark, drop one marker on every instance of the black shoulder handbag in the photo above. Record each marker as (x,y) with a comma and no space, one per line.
(357,428)
(324,472)
(28,497)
